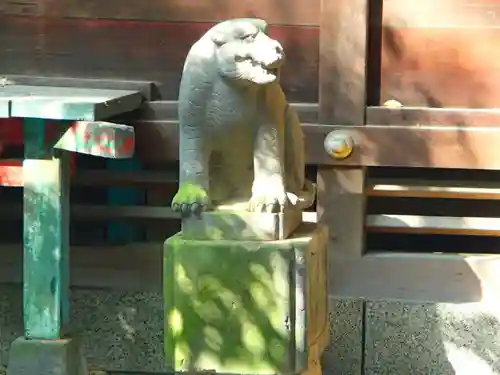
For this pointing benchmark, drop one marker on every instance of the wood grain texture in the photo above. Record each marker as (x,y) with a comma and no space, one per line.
(342,69)
(280,12)
(441,53)
(406,146)
(46,237)
(470,226)
(294,12)
(341,206)
(134,50)
(411,116)
(417,188)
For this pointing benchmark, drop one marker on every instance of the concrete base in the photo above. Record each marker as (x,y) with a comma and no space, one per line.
(380,337)
(432,338)
(246,307)
(46,357)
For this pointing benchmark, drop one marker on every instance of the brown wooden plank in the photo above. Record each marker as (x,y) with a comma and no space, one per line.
(11,173)
(417,188)
(109,178)
(293,12)
(341,206)
(138,51)
(136,266)
(443,13)
(394,146)
(441,53)
(470,226)
(432,116)
(88,212)
(408,146)
(167,110)
(342,69)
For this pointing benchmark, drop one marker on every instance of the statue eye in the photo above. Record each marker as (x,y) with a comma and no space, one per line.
(248,37)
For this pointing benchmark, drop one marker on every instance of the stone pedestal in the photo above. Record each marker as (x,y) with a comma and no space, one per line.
(234,222)
(246,307)
(46,357)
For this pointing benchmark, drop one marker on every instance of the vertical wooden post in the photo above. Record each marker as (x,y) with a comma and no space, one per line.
(342,100)
(46,236)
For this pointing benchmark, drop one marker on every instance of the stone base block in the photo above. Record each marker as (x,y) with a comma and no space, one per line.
(227,223)
(432,338)
(245,307)
(46,357)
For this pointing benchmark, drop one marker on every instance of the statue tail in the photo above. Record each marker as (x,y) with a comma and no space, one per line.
(307,195)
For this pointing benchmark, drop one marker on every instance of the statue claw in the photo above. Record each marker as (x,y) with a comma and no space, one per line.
(270,202)
(190,200)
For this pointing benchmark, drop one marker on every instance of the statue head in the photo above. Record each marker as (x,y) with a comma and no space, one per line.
(245,53)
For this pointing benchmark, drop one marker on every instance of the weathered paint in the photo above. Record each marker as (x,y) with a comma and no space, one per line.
(46,236)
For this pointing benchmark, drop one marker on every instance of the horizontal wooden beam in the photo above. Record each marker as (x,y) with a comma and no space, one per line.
(297,13)
(412,116)
(394,146)
(102,48)
(472,226)
(69,103)
(102,213)
(410,146)
(109,178)
(167,110)
(99,138)
(126,267)
(11,173)
(413,188)
(149,90)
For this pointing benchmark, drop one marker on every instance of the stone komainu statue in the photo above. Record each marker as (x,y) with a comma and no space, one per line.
(240,141)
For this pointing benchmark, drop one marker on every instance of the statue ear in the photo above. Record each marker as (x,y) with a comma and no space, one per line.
(261,24)
(219,38)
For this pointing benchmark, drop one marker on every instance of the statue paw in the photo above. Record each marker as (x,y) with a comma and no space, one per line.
(269,200)
(190,199)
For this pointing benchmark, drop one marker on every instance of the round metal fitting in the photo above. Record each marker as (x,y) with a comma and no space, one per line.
(339,144)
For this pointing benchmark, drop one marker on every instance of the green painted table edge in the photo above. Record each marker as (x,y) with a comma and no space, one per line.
(30,102)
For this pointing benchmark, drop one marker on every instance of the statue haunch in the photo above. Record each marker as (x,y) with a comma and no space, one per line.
(240,141)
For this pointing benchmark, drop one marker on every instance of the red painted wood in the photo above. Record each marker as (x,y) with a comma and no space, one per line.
(11,173)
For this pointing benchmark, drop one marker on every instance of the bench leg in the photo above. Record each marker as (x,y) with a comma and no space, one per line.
(44,349)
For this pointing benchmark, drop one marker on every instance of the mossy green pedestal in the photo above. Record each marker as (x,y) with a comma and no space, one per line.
(242,307)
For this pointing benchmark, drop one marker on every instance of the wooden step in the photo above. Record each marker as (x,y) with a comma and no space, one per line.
(413,188)
(472,226)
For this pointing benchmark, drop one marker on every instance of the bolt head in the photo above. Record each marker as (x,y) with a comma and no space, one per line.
(339,144)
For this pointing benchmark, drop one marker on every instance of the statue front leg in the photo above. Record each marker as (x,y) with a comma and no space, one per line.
(268,188)
(194,149)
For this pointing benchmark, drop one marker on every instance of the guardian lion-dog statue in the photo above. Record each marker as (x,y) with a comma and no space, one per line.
(240,141)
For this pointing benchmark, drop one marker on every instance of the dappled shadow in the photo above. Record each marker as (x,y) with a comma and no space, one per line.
(236,306)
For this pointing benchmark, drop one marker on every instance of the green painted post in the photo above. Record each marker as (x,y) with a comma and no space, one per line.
(46,235)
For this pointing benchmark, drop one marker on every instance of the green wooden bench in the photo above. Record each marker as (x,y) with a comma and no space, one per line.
(80,114)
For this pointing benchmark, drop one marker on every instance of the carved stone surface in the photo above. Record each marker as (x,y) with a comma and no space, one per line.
(238,224)
(239,139)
